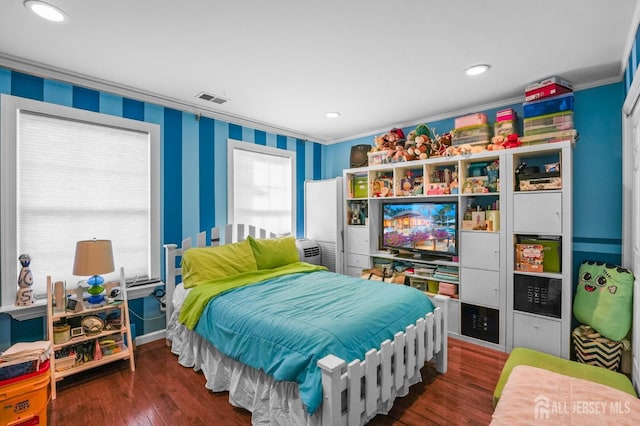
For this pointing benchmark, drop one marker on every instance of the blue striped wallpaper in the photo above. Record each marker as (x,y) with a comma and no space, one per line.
(632,62)
(193,151)
(193,158)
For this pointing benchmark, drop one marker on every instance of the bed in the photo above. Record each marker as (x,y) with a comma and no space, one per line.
(289,340)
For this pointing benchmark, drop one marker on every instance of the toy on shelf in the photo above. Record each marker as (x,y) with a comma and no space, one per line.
(382,186)
(25,296)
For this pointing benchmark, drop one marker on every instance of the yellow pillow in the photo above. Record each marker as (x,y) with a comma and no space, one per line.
(274,252)
(201,264)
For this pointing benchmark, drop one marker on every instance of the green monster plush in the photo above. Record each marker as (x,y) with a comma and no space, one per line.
(604,298)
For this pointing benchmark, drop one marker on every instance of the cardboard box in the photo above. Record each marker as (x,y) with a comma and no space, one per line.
(552,257)
(529,257)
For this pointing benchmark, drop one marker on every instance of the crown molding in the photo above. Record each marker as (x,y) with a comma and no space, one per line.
(70,77)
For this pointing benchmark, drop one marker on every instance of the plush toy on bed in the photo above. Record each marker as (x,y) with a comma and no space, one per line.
(604,298)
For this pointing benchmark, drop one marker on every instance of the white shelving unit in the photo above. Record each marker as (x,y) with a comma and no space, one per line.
(65,366)
(484,312)
(543,320)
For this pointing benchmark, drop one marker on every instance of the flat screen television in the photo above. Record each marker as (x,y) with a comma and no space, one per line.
(427,229)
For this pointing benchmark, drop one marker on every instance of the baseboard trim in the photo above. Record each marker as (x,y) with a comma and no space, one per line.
(151,337)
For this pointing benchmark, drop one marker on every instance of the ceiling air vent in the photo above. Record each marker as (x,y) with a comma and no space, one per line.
(211,98)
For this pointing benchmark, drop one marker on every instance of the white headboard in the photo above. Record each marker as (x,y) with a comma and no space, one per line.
(226,234)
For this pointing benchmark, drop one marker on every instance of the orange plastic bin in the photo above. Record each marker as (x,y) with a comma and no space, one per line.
(24,399)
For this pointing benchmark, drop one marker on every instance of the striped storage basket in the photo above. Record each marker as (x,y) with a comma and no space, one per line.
(592,348)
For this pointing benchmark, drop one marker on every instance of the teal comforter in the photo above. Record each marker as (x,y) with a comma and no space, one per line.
(284,325)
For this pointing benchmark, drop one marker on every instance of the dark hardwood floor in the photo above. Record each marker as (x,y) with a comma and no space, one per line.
(161,392)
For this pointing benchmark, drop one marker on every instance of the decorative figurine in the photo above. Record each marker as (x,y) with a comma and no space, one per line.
(25,296)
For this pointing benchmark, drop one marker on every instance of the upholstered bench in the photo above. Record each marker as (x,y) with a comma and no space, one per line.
(525,356)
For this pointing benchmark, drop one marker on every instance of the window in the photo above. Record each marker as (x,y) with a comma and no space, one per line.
(70,175)
(262,187)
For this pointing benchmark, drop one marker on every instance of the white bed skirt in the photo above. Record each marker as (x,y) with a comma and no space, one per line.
(271,402)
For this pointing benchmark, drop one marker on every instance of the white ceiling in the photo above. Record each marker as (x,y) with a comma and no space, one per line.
(285,63)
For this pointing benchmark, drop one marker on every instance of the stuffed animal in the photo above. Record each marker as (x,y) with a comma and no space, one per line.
(453,150)
(423,130)
(497,143)
(398,132)
(439,145)
(604,298)
(378,143)
(421,149)
(400,153)
(411,136)
(410,148)
(512,141)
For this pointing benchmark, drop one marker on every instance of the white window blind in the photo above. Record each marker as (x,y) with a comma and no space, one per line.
(77,179)
(262,187)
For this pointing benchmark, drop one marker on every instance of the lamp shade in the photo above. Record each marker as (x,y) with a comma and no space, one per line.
(93,257)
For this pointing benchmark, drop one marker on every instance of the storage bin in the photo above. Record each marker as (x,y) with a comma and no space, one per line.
(480,322)
(379,157)
(471,134)
(23,400)
(111,346)
(537,295)
(448,289)
(507,114)
(360,186)
(505,128)
(419,283)
(594,349)
(65,363)
(563,136)
(548,105)
(471,120)
(548,123)
(545,91)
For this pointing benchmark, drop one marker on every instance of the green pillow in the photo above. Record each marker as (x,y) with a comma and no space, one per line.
(604,299)
(274,252)
(202,264)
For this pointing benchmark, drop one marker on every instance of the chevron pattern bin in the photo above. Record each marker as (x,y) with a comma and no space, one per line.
(592,348)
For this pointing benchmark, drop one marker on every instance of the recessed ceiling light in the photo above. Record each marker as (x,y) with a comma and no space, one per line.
(332,115)
(477,69)
(46,10)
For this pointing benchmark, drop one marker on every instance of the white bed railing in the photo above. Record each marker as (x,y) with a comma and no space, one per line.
(352,392)
(386,371)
